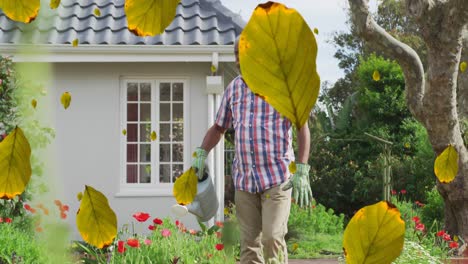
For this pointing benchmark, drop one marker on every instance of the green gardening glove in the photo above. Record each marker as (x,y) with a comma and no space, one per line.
(198,162)
(301,191)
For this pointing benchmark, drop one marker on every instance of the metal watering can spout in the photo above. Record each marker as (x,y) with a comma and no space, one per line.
(205,203)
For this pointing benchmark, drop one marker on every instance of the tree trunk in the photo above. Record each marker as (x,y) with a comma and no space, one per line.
(432,97)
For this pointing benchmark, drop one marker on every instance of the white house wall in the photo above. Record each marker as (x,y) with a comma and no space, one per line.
(88,133)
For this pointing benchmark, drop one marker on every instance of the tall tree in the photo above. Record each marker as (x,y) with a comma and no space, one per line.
(432,94)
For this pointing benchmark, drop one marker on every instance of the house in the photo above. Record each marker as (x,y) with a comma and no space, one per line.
(119,81)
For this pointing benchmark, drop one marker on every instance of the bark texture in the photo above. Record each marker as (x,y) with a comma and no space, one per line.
(437,98)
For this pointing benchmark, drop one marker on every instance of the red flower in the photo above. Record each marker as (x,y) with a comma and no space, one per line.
(393,192)
(141,217)
(440,233)
(39,229)
(121,246)
(416,220)
(27,207)
(1,220)
(8,220)
(418,203)
(453,244)
(219,246)
(446,237)
(147,242)
(63,215)
(151,227)
(58,203)
(420,227)
(403,191)
(193,232)
(157,221)
(177,223)
(219,224)
(219,234)
(133,242)
(64,208)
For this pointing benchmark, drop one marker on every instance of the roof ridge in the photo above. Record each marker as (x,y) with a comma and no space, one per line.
(223,10)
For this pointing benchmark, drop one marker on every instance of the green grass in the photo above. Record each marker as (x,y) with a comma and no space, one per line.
(316,246)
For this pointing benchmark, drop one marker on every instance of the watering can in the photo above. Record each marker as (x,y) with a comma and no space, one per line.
(204,205)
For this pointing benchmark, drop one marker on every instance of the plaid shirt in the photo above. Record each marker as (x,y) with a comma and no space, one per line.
(263,139)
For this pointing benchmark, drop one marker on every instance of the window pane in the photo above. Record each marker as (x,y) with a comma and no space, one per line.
(145,112)
(145,153)
(164,132)
(178,132)
(145,92)
(132,92)
(132,175)
(132,153)
(177,171)
(177,152)
(165,173)
(145,173)
(165,112)
(178,112)
(165,152)
(132,132)
(132,112)
(165,92)
(145,132)
(177,92)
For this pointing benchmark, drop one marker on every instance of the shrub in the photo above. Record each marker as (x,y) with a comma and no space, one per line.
(433,210)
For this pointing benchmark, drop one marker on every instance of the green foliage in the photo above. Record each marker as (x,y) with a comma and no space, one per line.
(18,245)
(433,210)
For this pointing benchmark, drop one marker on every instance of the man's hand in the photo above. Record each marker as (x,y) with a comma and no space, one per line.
(199,161)
(301,191)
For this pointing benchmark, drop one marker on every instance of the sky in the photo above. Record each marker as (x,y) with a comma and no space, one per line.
(328,16)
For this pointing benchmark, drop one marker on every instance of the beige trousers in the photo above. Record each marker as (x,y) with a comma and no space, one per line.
(263,220)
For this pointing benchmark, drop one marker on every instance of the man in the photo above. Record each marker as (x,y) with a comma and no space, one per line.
(263,153)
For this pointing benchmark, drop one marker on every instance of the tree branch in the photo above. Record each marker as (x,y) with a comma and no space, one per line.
(407,58)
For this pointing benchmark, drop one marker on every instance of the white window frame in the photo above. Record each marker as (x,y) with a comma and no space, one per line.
(154,188)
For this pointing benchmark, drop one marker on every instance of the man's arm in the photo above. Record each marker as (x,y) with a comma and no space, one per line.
(303,142)
(212,137)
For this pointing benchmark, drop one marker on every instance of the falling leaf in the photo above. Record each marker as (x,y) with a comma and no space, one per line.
(75,43)
(213,69)
(375,234)
(463,66)
(54,4)
(407,145)
(316,31)
(124,132)
(65,99)
(292,167)
(153,136)
(285,73)
(95,220)
(446,165)
(20,10)
(97,12)
(185,187)
(15,165)
(149,17)
(376,76)
(34,103)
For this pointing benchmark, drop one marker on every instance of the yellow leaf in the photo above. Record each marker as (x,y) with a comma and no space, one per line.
(153,136)
(376,76)
(316,31)
(446,165)
(97,12)
(149,17)
(34,103)
(15,165)
(213,69)
(75,43)
(185,187)
(124,132)
(285,73)
(20,10)
(65,99)
(54,4)
(407,145)
(455,238)
(292,167)
(463,66)
(375,234)
(95,220)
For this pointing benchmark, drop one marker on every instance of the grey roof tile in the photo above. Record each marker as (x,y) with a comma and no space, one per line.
(197,22)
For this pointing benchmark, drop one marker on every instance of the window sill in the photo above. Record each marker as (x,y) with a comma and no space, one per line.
(145,192)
